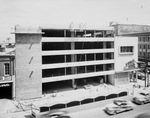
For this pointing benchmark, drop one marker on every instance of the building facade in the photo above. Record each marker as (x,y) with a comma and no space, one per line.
(143,34)
(73,55)
(7,73)
(126,58)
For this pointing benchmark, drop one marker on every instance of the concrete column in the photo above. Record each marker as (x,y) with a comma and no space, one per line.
(28,82)
(64,33)
(73,59)
(104,58)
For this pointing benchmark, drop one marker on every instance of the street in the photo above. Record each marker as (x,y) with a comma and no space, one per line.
(99,113)
(94,110)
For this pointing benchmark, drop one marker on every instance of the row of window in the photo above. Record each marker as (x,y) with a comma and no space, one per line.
(144,46)
(76,58)
(76,45)
(74,70)
(144,39)
(144,54)
(126,49)
(77,33)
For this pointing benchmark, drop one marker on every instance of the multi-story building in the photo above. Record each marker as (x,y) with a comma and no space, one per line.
(51,56)
(7,74)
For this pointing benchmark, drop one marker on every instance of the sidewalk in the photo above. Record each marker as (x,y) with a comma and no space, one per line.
(75,95)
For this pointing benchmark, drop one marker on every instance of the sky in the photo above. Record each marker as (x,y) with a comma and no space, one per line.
(64,12)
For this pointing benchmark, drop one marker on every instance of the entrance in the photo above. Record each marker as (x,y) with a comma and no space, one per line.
(6,90)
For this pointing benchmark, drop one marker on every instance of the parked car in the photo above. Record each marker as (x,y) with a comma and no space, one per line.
(145,92)
(119,105)
(141,99)
(122,102)
(141,77)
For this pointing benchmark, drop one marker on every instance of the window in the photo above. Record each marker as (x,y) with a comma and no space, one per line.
(52,46)
(144,39)
(53,59)
(139,39)
(126,50)
(53,72)
(90,57)
(148,38)
(7,69)
(80,57)
(140,53)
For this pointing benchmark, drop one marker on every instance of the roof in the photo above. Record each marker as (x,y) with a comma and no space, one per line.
(132,29)
(77,27)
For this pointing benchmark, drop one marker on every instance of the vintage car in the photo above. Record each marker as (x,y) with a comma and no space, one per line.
(141,76)
(141,99)
(119,105)
(145,92)
(121,102)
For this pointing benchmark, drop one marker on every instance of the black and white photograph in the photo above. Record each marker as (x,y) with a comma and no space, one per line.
(74,59)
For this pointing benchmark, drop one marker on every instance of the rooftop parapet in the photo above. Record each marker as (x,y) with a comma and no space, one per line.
(73,26)
(27,30)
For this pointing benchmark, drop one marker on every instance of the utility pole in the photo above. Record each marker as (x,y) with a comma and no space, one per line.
(145,68)
(146,65)
(145,75)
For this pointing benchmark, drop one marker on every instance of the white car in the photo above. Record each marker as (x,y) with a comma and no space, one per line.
(141,99)
(118,106)
(145,92)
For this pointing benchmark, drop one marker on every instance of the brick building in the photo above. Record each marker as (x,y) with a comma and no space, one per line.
(7,74)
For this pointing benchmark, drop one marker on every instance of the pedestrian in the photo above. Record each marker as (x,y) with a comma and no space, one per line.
(133,90)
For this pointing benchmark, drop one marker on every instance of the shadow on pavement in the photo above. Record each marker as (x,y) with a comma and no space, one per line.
(28,116)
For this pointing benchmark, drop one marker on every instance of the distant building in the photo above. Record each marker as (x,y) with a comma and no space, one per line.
(74,55)
(7,74)
(143,34)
